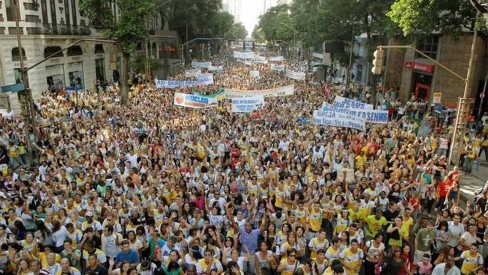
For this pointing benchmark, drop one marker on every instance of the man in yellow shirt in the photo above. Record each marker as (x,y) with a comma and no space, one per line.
(375,223)
(352,258)
(472,260)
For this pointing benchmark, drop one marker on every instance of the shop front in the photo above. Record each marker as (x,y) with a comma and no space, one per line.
(76,79)
(55,77)
(422,80)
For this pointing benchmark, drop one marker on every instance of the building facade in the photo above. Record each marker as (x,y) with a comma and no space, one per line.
(46,27)
(419,78)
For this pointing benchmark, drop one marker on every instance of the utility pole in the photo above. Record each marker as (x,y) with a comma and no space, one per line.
(25,96)
(464,106)
(464,102)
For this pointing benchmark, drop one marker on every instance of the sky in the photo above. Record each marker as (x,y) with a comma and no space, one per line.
(250,13)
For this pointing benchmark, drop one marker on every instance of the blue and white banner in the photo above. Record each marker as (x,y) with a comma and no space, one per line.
(203,80)
(194,101)
(247,104)
(338,120)
(295,75)
(276,58)
(202,65)
(370,115)
(243,55)
(343,102)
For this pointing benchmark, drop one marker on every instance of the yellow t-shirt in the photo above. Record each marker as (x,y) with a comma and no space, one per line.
(315,244)
(470,262)
(352,259)
(315,220)
(374,225)
(289,268)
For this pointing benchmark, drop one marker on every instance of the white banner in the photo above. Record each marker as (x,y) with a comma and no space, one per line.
(243,55)
(342,102)
(370,115)
(203,80)
(247,104)
(278,68)
(194,101)
(337,120)
(215,68)
(193,72)
(203,65)
(254,73)
(295,75)
(282,91)
(276,58)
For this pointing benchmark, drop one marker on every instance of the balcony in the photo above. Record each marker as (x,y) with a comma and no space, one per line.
(62,29)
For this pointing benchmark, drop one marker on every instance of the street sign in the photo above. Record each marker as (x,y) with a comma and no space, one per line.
(14,88)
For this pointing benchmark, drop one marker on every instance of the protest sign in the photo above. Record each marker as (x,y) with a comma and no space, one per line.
(243,55)
(254,73)
(194,101)
(343,102)
(247,104)
(202,65)
(370,115)
(281,91)
(339,122)
(193,72)
(278,68)
(295,75)
(276,58)
(204,80)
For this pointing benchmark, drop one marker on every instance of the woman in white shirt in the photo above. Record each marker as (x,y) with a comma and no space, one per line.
(59,235)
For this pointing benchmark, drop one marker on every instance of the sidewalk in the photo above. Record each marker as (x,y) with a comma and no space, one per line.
(470,183)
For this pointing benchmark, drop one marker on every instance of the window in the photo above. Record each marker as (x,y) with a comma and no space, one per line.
(10,8)
(428,46)
(99,48)
(50,50)
(74,51)
(16,54)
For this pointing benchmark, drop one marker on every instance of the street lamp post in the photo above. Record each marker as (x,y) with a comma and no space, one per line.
(294,38)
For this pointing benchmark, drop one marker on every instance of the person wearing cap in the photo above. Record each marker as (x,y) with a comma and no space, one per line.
(90,222)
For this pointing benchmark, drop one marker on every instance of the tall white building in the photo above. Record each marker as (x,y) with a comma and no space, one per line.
(233,7)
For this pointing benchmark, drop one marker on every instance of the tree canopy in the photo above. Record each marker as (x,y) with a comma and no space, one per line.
(417,18)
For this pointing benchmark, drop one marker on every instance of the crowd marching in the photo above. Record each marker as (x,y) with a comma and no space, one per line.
(154,188)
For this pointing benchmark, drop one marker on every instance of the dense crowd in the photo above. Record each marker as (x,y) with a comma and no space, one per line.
(152,188)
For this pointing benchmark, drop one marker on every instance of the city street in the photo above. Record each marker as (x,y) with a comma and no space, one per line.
(473,182)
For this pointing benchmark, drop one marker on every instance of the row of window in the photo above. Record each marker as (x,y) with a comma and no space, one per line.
(56,51)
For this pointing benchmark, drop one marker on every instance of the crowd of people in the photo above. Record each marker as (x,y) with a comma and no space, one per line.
(153,188)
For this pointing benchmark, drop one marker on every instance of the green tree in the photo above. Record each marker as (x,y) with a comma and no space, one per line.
(275,24)
(258,35)
(128,29)
(192,16)
(239,31)
(417,18)
(222,25)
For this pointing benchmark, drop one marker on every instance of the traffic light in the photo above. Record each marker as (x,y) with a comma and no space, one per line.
(378,61)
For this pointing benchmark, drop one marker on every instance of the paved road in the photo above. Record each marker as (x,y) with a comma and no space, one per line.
(470,183)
